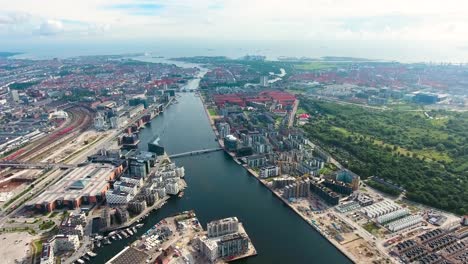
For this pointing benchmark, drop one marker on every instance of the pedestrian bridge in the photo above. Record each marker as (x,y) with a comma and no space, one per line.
(195,152)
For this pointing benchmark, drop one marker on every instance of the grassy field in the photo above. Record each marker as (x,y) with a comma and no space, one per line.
(212,112)
(316,65)
(301,110)
(371,228)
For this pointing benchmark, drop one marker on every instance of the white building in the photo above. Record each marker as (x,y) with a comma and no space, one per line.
(270,171)
(172,188)
(14,96)
(115,122)
(392,216)
(224,129)
(209,248)
(180,172)
(117,197)
(127,187)
(135,180)
(161,192)
(409,221)
(99,122)
(168,174)
(223,226)
(66,243)
(381,208)
(47,255)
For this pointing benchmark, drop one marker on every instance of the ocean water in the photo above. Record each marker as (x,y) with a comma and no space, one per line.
(379,50)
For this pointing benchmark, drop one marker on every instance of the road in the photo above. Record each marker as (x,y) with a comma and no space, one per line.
(84,247)
(292,114)
(332,160)
(49,178)
(364,234)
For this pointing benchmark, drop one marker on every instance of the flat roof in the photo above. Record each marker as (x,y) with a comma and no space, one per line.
(129,255)
(89,180)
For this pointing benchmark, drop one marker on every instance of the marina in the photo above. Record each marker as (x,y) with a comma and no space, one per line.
(182,237)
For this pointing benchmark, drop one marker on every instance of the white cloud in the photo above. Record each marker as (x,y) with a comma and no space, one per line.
(267,20)
(253,19)
(51,27)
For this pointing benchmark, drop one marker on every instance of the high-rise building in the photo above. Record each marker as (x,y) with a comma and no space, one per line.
(99,122)
(269,171)
(223,226)
(14,96)
(230,142)
(232,245)
(224,129)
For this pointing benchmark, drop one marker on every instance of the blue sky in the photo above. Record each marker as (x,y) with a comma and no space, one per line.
(441,24)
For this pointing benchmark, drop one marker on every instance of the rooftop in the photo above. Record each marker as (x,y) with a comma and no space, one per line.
(89,180)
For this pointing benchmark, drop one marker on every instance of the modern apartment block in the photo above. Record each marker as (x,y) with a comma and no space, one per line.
(223,226)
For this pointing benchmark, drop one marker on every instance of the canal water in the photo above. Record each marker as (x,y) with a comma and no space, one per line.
(219,188)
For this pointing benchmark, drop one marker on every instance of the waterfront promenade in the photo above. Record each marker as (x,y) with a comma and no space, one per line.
(256,176)
(219,188)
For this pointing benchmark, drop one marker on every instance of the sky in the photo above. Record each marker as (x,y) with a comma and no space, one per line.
(433,28)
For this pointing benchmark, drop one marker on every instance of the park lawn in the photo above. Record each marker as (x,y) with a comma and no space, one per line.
(212,112)
(434,155)
(341,130)
(430,154)
(415,132)
(371,228)
(38,246)
(300,111)
(439,122)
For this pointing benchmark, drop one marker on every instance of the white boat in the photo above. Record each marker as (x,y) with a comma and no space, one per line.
(80,261)
(91,254)
(139,225)
(119,236)
(134,230)
(129,231)
(114,237)
(124,234)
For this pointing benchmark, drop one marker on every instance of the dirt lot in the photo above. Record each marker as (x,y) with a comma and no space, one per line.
(18,247)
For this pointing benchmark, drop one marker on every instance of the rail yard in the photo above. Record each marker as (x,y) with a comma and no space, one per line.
(79,119)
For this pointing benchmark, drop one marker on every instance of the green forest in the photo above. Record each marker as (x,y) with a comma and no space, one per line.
(426,152)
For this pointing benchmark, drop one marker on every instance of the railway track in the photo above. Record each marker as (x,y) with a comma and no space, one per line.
(80,119)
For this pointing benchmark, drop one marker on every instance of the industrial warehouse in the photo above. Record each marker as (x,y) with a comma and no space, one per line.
(82,185)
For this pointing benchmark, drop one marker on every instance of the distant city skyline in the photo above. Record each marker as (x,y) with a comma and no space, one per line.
(392,30)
